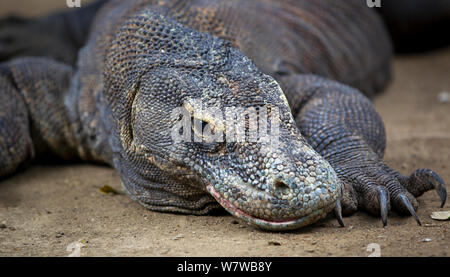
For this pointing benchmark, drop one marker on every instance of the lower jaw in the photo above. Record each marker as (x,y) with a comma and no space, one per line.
(270,225)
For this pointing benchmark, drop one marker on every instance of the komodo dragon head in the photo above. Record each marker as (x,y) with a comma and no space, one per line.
(191,116)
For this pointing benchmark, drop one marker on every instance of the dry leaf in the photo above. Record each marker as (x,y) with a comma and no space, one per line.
(107,189)
(444,215)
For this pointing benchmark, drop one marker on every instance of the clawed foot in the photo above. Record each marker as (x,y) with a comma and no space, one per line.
(344,128)
(378,189)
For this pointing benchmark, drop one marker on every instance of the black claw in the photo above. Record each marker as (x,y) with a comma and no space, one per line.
(442,192)
(410,208)
(439,185)
(338,212)
(383,196)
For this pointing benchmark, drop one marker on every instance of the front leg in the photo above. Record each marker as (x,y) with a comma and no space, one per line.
(342,125)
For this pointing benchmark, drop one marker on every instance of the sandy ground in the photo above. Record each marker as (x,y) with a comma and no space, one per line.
(46,209)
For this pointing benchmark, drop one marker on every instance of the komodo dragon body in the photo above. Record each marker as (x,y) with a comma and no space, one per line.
(114,103)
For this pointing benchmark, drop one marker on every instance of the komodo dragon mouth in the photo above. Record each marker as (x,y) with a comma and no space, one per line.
(274,225)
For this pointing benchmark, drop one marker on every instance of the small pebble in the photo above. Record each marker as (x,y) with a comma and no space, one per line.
(274,243)
(177,237)
(426,240)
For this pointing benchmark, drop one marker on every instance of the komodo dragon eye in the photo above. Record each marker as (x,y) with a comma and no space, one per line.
(199,126)
(207,134)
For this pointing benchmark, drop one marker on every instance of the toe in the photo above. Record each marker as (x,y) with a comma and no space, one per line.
(338,212)
(406,203)
(383,200)
(373,197)
(423,180)
(349,200)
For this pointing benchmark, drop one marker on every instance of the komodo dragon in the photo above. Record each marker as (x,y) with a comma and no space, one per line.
(109,97)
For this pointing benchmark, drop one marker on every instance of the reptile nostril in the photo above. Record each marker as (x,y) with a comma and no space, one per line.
(281,187)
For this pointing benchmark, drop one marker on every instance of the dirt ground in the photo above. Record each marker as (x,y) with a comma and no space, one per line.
(46,209)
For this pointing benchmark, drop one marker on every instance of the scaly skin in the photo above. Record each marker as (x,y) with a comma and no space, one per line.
(144,59)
